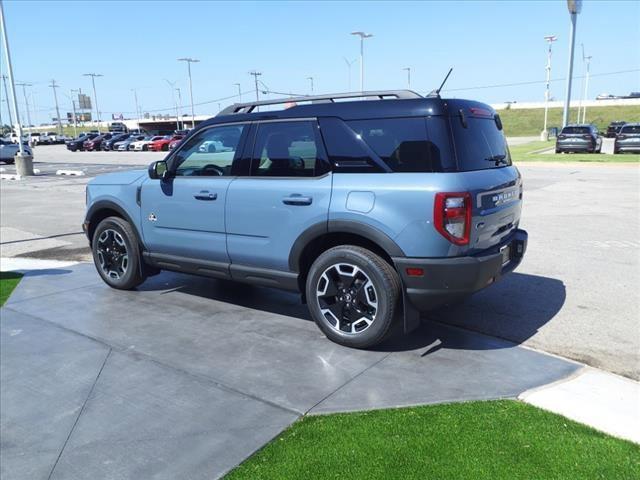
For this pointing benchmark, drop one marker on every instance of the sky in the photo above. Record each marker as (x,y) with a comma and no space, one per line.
(136,44)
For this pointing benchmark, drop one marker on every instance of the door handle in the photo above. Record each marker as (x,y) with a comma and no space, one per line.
(205,195)
(297,199)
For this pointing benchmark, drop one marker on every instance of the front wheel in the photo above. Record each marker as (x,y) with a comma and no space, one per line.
(352,295)
(116,254)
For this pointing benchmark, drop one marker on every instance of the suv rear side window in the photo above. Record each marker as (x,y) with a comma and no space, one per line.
(576,130)
(628,129)
(480,144)
(286,149)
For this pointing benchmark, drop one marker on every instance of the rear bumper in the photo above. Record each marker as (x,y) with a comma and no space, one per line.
(621,147)
(449,279)
(575,147)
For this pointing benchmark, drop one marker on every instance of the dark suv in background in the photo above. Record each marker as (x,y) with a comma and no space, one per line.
(628,140)
(579,138)
(614,128)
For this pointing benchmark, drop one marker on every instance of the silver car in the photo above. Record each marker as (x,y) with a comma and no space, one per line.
(9,149)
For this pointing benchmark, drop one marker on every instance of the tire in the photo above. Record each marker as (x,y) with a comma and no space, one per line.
(113,239)
(363,282)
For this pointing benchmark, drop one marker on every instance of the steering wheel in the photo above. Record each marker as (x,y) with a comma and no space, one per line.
(208,169)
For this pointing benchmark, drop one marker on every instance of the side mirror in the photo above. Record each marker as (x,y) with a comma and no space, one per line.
(159,170)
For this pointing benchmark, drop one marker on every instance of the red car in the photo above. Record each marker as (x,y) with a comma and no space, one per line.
(175,143)
(162,145)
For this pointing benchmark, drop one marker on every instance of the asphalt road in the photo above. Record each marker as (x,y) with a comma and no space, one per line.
(574,295)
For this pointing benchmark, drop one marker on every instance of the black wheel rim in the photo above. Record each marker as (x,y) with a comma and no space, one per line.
(347,298)
(112,254)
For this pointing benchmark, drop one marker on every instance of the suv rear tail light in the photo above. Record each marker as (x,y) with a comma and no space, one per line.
(452,216)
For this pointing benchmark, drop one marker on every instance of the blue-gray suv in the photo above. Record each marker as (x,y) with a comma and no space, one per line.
(369,204)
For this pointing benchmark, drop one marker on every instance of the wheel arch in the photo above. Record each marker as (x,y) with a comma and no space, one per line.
(103,209)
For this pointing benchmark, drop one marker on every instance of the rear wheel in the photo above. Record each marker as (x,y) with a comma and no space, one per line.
(352,295)
(116,254)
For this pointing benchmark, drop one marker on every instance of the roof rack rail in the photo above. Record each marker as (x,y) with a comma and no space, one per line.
(248,107)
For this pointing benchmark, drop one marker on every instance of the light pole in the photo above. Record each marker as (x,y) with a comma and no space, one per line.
(75,117)
(55,97)
(95,95)
(189,62)
(4,81)
(26,105)
(256,74)
(172,85)
(408,70)
(311,80)
(180,107)
(135,99)
(362,36)
(574,6)
(239,92)
(349,63)
(544,136)
(24,162)
(587,60)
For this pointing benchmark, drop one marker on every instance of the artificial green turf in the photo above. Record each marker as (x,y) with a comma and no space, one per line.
(476,440)
(532,152)
(8,281)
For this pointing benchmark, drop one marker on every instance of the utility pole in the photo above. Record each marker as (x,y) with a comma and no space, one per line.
(239,92)
(574,6)
(135,99)
(408,70)
(362,36)
(544,136)
(55,97)
(75,117)
(349,63)
(256,74)
(26,103)
(180,107)
(172,85)
(95,95)
(189,62)
(311,80)
(6,94)
(24,162)
(587,60)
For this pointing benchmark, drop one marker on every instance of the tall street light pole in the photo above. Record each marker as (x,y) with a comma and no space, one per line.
(574,6)
(55,97)
(239,92)
(135,99)
(362,36)
(95,95)
(26,105)
(544,136)
(75,117)
(6,94)
(172,85)
(408,70)
(587,60)
(24,162)
(189,62)
(180,107)
(311,80)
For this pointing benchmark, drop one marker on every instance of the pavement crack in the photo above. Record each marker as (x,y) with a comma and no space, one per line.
(84,404)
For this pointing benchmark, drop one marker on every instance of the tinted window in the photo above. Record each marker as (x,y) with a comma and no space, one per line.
(402,143)
(209,152)
(576,130)
(285,149)
(479,144)
(630,129)
(347,152)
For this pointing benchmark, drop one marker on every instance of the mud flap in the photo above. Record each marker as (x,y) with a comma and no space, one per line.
(411,314)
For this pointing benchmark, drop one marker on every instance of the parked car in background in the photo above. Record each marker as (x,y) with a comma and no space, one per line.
(117,137)
(143,145)
(77,144)
(368,208)
(48,138)
(96,142)
(123,145)
(628,140)
(34,138)
(613,129)
(118,127)
(579,138)
(174,143)
(162,145)
(8,150)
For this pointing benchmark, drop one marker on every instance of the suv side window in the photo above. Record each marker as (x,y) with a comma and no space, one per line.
(287,149)
(209,153)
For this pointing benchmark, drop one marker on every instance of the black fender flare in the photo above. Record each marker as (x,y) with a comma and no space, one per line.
(110,205)
(341,226)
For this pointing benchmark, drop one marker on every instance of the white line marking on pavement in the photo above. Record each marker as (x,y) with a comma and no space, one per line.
(602,400)
(17,264)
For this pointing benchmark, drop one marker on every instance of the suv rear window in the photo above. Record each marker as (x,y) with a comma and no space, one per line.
(630,129)
(480,144)
(576,130)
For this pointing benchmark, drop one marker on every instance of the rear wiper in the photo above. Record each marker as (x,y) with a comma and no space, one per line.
(498,159)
